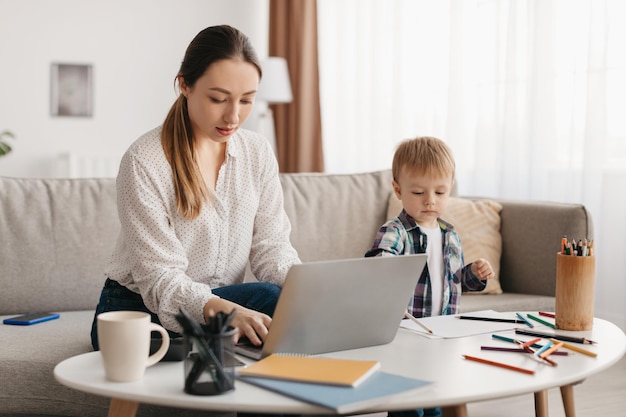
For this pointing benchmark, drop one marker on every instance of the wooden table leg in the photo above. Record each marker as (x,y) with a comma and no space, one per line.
(123,408)
(541,403)
(455,411)
(567,395)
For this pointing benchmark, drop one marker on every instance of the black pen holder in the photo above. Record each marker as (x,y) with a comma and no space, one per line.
(209,366)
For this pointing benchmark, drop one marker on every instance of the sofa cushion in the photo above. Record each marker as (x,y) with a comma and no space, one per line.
(335,216)
(56,237)
(478,225)
(28,362)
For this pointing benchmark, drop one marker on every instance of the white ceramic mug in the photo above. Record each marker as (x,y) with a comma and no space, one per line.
(124,339)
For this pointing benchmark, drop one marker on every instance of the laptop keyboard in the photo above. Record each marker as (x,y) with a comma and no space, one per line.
(247,349)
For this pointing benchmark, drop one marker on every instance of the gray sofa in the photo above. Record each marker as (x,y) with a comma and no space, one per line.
(56,234)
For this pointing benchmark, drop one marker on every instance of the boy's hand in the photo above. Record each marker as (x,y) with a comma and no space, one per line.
(482,269)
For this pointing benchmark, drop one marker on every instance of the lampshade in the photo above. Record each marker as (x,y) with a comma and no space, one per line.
(275,86)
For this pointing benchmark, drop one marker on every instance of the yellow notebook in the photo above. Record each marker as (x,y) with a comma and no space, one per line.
(313,369)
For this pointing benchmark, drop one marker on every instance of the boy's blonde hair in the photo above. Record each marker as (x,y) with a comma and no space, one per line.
(423,155)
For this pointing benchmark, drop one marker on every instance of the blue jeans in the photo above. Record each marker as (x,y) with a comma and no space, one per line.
(427,412)
(257,296)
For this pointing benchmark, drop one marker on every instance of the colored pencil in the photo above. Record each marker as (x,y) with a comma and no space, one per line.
(508,339)
(416,321)
(562,338)
(532,343)
(550,361)
(543,349)
(538,320)
(517,350)
(534,354)
(502,349)
(535,345)
(551,350)
(529,324)
(499,364)
(577,349)
(491,319)
(543,313)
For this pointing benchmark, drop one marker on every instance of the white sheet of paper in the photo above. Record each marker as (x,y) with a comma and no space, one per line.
(449,327)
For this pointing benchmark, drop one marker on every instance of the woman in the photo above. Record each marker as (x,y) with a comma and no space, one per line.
(198,198)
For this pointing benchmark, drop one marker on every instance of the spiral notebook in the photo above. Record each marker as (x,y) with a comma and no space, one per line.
(343,304)
(312,369)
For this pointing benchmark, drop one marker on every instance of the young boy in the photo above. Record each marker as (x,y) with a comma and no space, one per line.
(423,176)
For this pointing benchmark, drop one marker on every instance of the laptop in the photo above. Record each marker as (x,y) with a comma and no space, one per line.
(328,306)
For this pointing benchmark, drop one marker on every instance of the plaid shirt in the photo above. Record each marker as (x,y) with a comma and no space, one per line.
(402,236)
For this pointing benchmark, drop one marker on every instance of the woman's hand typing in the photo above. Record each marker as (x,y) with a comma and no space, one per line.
(249,323)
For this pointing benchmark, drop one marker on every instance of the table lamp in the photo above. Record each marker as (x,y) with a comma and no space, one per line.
(274,88)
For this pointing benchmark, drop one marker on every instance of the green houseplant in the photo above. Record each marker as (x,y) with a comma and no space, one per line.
(5,147)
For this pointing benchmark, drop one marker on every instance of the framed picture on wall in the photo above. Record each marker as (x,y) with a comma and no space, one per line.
(71,91)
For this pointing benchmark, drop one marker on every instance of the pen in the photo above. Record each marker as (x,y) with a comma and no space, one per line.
(555,336)
(228,320)
(414,320)
(490,319)
(499,364)
(538,320)
(529,324)
(577,349)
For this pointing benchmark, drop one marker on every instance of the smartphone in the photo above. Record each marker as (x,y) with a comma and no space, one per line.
(31,318)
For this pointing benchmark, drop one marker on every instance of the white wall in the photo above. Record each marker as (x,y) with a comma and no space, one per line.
(135,47)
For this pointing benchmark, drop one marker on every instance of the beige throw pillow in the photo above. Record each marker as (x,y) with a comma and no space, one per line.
(478,225)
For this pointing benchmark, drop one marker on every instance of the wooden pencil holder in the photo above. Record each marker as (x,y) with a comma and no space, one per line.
(575,283)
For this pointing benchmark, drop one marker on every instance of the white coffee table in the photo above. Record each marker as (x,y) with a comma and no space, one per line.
(456,381)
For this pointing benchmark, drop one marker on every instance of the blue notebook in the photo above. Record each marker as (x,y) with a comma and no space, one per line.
(341,399)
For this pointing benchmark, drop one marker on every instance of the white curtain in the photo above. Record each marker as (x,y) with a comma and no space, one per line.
(530,95)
